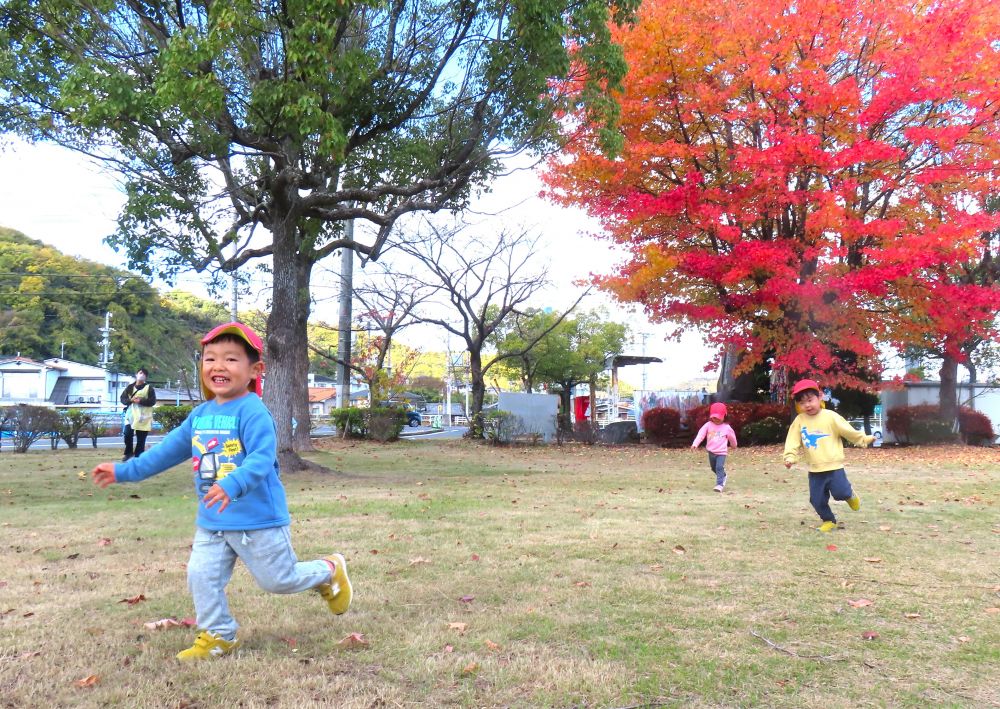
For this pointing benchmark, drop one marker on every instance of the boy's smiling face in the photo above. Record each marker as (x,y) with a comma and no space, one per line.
(810,402)
(226,370)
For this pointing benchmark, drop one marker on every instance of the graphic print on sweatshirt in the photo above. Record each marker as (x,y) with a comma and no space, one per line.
(220,454)
(811,440)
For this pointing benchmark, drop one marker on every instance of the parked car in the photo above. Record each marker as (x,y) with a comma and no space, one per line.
(875,427)
(412,417)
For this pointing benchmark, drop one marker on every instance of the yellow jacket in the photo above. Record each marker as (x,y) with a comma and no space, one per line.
(820,437)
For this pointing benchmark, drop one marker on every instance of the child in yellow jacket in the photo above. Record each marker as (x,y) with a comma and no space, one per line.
(819,434)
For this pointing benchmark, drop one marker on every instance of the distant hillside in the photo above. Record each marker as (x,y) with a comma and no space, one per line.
(50,301)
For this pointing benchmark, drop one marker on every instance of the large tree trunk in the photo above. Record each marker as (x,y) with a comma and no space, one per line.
(948,395)
(475,412)
(732,387)
(286,392)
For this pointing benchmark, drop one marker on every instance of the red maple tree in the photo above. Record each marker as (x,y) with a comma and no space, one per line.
(794,174)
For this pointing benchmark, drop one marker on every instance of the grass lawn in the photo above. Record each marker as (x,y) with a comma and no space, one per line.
(525,577)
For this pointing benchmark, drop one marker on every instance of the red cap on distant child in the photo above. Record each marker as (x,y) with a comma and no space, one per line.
(805,385)
(243,332)
(717,411)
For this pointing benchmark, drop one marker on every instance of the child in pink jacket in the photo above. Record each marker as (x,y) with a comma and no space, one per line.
(718,436)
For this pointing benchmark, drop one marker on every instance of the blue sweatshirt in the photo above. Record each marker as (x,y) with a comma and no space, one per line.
(233,444)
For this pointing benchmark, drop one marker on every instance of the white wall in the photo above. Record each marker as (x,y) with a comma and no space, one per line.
(537,411)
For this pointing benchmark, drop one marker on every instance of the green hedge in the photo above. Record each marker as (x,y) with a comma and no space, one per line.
(377,424)
(170,417)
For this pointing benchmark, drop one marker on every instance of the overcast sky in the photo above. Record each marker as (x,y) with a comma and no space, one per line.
(61,199)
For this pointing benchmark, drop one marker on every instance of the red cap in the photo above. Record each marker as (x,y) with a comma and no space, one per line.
(805,385)
(243,332)
(717,410)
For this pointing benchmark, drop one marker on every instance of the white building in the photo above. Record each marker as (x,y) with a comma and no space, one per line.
(59,383)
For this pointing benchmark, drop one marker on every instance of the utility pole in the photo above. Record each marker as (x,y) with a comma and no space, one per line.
(344,323)
(644,336)
(447,379)
(234,308)
(106,355)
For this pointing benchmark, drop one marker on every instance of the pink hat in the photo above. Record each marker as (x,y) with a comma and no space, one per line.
(717,411)
(247,335)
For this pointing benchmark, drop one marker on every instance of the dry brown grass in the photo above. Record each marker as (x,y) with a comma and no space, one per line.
(600,577)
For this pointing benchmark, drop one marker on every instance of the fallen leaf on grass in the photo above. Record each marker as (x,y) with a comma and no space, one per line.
(474,557)
(582,584)
(28,655)
(354,640)
(860,603)
(869,635)
(911,616)
(88,681)
(133,600)
(963,638)
(161,624)
(467,599)
(679,550)
(449,648)
(460,627)
(656,567)
(103,542)
(82,475)
(419,560)
(470,668)
(993,610)
(831,547)
(492,646)
(292,642)
(873,560)
(885,528)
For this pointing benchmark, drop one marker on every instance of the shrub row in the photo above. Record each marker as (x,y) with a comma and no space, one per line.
(923,424)
(754,423)
(378,423)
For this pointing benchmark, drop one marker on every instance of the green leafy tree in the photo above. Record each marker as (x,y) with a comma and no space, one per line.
(251,129)
(574,351)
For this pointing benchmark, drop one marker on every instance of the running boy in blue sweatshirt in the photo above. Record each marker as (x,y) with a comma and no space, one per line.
(242,510)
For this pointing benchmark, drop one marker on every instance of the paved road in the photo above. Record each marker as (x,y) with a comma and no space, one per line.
(85,443)
(115,442)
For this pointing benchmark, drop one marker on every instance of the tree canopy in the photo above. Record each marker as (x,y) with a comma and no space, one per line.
(251,129)
(799,179)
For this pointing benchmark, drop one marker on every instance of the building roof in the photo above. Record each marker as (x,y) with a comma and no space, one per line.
(18,360)
(320,394)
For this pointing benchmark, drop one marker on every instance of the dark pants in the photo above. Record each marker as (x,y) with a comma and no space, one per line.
(140,441)
(824,485)
(718,465)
